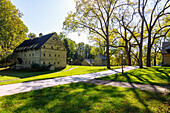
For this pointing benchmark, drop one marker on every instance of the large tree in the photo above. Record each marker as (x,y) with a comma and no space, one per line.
(125,20)
(152,14)
(94,16)
(70,45)
(12,29)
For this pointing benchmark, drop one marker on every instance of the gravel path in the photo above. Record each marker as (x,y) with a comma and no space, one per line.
(39,84)
(147,87)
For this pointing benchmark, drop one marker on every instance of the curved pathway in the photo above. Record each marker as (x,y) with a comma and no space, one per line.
(39,84)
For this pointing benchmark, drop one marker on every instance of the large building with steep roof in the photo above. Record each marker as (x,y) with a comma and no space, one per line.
(43,50)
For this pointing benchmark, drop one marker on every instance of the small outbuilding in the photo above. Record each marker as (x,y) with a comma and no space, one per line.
(166,53)
(87,62)
(100,60)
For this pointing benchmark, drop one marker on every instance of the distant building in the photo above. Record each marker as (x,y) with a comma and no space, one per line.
(166,53)
(87,62)
(43,50)
(100,60)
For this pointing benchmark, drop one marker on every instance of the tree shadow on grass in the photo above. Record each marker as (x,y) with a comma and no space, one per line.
(166,73)
(24,73)
(80,97)
(147,76)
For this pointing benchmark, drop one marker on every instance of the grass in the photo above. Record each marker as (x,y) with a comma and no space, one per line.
(150,75)
(8,76)
(85,98)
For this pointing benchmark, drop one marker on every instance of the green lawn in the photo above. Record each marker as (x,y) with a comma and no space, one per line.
(150,75)
(8,76)
(83,98)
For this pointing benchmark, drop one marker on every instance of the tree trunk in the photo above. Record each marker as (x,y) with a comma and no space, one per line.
(128,54)
(129,59)
(155,60)
(140,57)
(148,63)
(107,52)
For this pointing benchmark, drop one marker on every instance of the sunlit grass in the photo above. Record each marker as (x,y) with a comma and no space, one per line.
(150,75)
(16,76)
(83,98)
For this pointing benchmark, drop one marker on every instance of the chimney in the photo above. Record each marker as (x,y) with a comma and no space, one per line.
(40,35)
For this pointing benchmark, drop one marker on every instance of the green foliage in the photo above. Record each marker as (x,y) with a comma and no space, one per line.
(12,29)
(77,51)
(37,67)
(31,35)
(70,45)
(149,75)
(85,98)
(96,17)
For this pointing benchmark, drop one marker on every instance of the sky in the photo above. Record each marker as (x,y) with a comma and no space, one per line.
(46,16)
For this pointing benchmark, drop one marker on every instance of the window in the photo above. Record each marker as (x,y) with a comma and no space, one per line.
(55,55)
(29,62)
(57,48)
(44,63)
(54,63)
(49,63)
(29,54)
(49,55)
(51,47)
(58,62)
(25,62)
(58,55)
(44,54)
(44,46)
(24,54)
(33,54)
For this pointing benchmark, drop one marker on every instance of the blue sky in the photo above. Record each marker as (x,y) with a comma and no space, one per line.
(46,16)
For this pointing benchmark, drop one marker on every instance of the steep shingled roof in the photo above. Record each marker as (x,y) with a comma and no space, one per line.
(35,43)
(103,57)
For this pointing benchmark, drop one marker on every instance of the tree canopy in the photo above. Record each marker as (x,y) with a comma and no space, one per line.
(12,29)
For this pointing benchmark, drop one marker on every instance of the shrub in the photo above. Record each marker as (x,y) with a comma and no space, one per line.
(43,68)
(35,67)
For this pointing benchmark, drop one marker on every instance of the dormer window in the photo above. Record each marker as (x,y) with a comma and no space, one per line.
(44,46)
